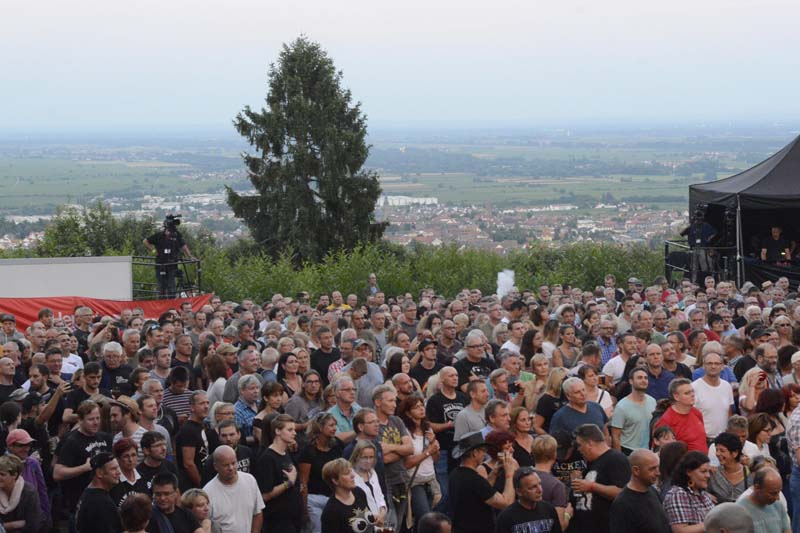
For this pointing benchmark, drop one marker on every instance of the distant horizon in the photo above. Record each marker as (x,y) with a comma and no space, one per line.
(744,125)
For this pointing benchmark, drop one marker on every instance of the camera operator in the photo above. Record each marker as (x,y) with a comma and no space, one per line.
(168,244)
(700,235)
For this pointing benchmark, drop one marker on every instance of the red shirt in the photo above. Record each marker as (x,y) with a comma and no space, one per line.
(688,428)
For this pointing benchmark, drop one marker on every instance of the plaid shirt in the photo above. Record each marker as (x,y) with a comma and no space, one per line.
(607,351)
(793,435)
(684,506)
(243,414)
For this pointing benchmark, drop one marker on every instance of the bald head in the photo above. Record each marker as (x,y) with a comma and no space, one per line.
(223,453)
(730,518)
(644,467)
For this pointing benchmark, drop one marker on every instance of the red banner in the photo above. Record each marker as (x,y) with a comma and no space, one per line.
(26,310)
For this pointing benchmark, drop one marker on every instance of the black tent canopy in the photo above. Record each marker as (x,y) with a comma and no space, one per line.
(759,197)
(772,184)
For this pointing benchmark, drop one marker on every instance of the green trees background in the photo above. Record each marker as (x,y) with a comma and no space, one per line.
(244,269)
(312,195)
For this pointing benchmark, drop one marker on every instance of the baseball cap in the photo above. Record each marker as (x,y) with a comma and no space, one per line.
(100,460)
(18,436)
(7,317)
(427,342)
(635,281)
(358,343)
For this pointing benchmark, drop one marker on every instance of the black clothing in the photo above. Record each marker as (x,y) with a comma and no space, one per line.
(591,509)
(338,517)
(320,361)
(422,374)
(148,473)
(168,419)
(775,249)
(634,512)
(181,520)
(268,471)
(742,366)
(523,456)
(466,368)
(441,409)
(517,519)
(97,513)
(74,449)
(547,407)
(468,494)
(120,492)
(168,248)
(317,458)
(116,378)
(204,441)
(5,392)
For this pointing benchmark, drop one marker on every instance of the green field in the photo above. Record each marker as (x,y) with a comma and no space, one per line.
(41,184)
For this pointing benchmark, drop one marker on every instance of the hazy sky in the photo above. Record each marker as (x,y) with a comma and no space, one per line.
(176,63)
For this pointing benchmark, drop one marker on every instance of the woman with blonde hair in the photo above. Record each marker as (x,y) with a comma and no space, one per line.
(363,458)
(531,391)
(754,382)
(197,502)
(550,402)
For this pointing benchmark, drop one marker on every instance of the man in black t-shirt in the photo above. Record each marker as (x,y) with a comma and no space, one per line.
(638,508)
(529,512)
(472,498)
(607,471)
(475,366)
(775,248)
(72,467)
(165,498)
(154,448)
(194,442)
(327,353)
(428,365)
(96,511)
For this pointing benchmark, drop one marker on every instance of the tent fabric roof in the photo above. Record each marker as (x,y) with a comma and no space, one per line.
(772,184)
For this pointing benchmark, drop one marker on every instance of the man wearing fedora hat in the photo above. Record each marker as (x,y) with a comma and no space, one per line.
(472,498)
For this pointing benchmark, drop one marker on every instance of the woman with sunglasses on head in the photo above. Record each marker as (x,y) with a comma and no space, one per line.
(363,459)
(753,383)
(322,447)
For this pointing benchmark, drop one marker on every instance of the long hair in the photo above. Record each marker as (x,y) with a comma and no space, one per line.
(403,412)
(315,425)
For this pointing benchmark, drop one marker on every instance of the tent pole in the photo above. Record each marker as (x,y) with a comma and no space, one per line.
(739,247)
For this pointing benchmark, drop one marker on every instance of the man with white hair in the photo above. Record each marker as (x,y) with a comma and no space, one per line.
(578,411)
(345,408)
(249,360)
(115,374)
(234,497)
(713,396)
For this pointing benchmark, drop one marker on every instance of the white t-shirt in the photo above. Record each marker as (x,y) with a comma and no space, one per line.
(510,346)
(714,403)
(615,368)
(233,506)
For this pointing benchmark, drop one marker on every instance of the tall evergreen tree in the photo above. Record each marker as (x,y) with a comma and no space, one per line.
(312,196)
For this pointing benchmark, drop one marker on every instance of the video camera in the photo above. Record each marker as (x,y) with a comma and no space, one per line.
(172,222)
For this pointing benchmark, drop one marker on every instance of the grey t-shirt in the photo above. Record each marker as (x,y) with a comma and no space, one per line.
(392,433)
(467,421)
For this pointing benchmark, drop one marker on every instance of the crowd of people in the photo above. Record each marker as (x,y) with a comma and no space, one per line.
(608,409)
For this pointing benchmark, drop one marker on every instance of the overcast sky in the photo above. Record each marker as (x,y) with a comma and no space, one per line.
(180,64)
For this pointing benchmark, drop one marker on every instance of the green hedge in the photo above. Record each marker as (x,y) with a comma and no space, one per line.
(447,269)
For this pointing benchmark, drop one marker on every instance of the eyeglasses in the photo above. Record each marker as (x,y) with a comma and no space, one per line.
(311,381)
(475,346)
